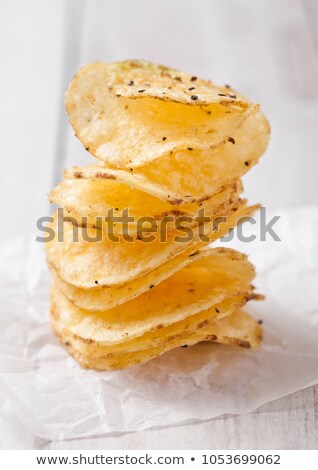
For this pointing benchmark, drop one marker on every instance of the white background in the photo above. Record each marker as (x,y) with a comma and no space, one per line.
(267,49)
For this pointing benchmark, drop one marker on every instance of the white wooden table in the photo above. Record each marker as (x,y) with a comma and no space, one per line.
(267,49)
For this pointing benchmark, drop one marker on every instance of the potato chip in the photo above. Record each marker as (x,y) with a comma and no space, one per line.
(189,175)
(205,283)
(87,200)
(104,298)
(128,78)
(98,297)
(196,287)
(127,133)
(238,329)
(174,331)
(104,263)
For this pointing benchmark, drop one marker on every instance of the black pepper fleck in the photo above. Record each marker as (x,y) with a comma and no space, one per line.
(164,138)
(131,82)
(96,282)
(232,140)
(141,91)
(191,88)
(194,97)
(194,254)
(193,79)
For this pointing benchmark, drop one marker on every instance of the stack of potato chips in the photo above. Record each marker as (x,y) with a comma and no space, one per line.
(133,273)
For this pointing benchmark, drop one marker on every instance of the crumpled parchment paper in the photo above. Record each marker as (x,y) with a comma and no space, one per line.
(55,399)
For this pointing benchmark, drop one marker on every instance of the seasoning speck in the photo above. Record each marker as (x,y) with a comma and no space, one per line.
(190,148)
(179,79)
(217,310)
(247,163)
(131,82)
(232,140)
(191,88)
(194,97)
(227,86)
(233,96)
(164,138)
(151,286)
(193,79)
(194,254)
(184,346)
(96,282)
(260,322)
(141,91)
